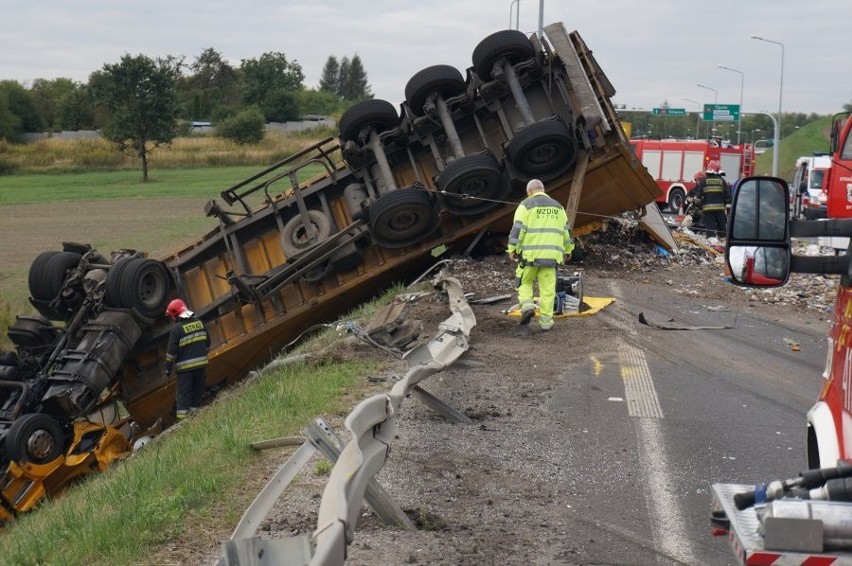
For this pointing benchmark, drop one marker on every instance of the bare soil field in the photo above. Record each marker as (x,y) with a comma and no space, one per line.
(157,226)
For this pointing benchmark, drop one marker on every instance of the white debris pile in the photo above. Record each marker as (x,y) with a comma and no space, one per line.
(803,289)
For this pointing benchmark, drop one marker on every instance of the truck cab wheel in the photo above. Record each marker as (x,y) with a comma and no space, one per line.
(35,438)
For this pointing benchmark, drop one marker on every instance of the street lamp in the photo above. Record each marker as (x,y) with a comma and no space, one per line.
(777,138)
(742,83)
(516,3)
(715,99)
(697,115)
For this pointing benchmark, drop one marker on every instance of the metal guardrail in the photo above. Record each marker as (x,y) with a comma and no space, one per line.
(373,426)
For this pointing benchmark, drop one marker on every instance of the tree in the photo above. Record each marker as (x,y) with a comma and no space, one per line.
(329,82)
(10,124)
(316,101)
(48,96)
(246,127)
(342,74)
(354,85)
(76,110)
(281,106)
(140,96)
(213,84)
(19,102)
(266,77)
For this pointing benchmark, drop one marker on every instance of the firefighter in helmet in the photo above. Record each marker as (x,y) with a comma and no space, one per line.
(187,356)
(713,195)
(539,241)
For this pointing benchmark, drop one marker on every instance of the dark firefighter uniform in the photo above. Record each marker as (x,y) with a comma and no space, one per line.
(540,239)
(187,355)
(712,194)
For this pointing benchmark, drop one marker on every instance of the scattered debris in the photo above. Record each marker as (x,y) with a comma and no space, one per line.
(645,321)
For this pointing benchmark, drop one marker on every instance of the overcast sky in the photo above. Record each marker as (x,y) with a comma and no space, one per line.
(651,50)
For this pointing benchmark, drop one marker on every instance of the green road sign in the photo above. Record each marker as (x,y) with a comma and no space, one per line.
(721,112)
(669,112)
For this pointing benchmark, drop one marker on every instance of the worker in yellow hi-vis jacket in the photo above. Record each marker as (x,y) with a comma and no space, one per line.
(539,241)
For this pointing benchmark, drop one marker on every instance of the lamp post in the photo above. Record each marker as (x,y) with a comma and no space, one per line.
(516,3)
(715,99)
(777,138)
(697,115)
(740,113)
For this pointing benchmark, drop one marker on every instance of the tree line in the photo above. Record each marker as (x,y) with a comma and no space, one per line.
(208,88)
(140,103)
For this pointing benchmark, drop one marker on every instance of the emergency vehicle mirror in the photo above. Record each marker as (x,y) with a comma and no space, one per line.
(759,212)
(759,266)
(758,248)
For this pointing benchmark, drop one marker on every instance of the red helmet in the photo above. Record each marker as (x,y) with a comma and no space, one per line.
(176,308)
(698,176)
(713,166)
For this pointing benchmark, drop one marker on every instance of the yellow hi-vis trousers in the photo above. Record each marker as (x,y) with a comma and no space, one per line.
(546,277)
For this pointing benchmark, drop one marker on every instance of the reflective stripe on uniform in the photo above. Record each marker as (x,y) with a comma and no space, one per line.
(191,363)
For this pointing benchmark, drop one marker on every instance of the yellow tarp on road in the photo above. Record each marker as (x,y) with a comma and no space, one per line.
(596,304)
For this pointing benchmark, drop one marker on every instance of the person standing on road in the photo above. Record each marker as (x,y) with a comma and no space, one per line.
(713,195)
(539,241)
(189,343)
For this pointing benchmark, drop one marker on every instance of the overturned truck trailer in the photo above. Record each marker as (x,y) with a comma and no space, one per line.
(446,166)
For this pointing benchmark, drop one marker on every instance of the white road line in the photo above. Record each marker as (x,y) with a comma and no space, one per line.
(667,519)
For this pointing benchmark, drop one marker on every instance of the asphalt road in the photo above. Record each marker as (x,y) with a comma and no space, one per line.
(679,410)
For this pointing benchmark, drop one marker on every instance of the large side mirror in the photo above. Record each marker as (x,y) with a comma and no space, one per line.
(758,246)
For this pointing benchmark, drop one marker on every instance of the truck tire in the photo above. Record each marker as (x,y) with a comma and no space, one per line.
(380,114)
(47,273)
(402,217)
(294,235)
(476,176)
(36,275)
(144,287)
(511,44)
(112,285)
(677,198)
(36,438)
(543,150)
(446,80)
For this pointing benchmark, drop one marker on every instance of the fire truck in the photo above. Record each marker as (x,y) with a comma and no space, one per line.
(673,163)
(836,196)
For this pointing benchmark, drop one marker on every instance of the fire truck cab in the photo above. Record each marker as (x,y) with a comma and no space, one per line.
(673,164)
(759,254)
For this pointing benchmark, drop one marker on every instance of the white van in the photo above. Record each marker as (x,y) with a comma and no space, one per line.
(806,188)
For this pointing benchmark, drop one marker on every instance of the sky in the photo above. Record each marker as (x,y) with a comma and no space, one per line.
(653,51)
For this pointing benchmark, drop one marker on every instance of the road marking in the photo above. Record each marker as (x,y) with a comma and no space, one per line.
(667,520)
(597,366)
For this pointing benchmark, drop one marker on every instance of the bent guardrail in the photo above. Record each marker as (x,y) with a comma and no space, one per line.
(373,426)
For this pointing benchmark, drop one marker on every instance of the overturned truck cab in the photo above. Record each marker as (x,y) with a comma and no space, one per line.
(444,169)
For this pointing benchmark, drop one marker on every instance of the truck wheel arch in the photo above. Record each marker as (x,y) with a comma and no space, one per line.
(822,442)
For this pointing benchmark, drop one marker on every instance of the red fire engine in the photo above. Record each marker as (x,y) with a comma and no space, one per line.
(673,163)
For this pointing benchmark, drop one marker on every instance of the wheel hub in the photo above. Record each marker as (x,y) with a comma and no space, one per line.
(40,444)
